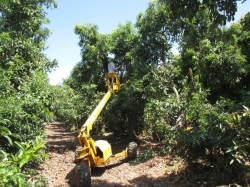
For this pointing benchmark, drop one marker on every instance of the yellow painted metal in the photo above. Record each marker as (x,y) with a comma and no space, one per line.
(105,148)
(112,81)
(83,152)
(87,127)
(123,153)
(98,152)
(102,162)
(92,145)
(118,155)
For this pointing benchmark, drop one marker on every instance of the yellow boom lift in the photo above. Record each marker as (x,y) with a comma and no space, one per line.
(98,153)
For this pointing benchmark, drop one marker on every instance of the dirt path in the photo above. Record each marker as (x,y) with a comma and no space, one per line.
(154,172)
(61,149)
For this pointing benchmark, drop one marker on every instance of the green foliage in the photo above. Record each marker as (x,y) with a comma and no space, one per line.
(123,115)
(22,39)
(144,156)
(238,147)
(29,151)
(193,101)
(123,39)
(74,107)
(186,11)
(26,109)
(38,181)
(11,175)
(94,52)
(156,30)
(220,64)
(220,141)
(5,132)
(64,103)
(25,97)
(12,167)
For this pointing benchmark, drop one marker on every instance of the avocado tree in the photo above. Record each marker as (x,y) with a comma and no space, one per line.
(197,101)
(220,11)
(25,97)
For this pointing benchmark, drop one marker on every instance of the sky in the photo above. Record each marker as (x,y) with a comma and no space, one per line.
(106,14)
(63,42)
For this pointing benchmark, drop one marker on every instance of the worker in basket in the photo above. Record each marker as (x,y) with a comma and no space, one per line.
(112,72)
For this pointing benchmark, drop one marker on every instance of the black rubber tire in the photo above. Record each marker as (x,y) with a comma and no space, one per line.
(82,175)
(132,150)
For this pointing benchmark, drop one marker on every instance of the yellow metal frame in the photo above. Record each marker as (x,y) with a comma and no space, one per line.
(112,81)
(99,152)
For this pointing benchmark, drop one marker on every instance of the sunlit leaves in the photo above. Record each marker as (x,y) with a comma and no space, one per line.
(94,52)
(123,42)
(11,166)
(155,34)
(25,96)
(202,90)
(220,11)
(22,38)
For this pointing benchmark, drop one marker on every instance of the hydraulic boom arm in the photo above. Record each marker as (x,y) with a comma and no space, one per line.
(98,153)
(87,127)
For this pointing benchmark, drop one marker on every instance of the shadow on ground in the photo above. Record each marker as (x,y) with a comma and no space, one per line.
(62,140)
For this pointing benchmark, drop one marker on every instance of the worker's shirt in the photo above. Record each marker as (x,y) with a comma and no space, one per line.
(111,67)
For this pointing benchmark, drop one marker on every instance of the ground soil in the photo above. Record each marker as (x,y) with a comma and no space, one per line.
(147,171)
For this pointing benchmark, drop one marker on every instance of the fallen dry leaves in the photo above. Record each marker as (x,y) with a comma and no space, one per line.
(154,172)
